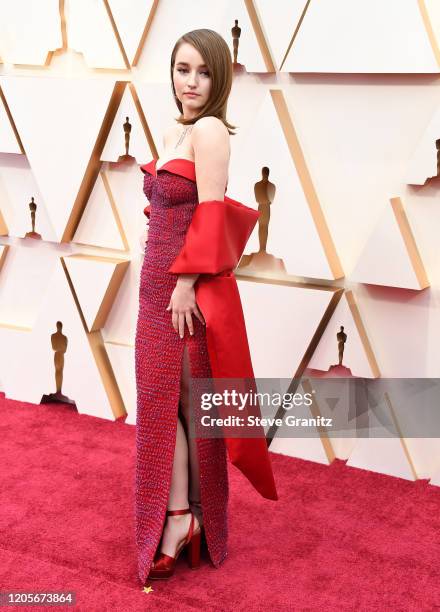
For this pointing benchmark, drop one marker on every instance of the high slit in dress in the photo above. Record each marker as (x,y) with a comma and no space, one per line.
(158,363)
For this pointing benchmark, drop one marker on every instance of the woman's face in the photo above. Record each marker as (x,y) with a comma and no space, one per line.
(190,74)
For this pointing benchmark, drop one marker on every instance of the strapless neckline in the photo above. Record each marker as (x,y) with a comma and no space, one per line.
(172,160)
(182,166)
(178,165)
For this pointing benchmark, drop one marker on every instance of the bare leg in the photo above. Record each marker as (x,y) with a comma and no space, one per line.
(194,477)
(176,527)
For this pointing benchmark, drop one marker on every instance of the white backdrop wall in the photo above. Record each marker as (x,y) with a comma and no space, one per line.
(343,121)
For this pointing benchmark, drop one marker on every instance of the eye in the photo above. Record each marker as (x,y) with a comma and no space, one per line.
(205,72)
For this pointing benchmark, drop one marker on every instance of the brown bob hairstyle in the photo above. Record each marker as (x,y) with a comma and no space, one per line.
(217,57)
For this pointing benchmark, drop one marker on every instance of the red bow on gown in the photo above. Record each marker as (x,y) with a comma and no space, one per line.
(214,243)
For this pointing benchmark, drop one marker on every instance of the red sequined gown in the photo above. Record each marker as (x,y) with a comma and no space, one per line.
(158,360)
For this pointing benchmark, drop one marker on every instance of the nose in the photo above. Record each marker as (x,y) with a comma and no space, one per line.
(192,79)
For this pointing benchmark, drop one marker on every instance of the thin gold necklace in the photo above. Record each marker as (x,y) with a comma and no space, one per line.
(187,129)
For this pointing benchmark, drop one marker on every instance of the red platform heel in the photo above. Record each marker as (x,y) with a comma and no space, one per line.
(163,566)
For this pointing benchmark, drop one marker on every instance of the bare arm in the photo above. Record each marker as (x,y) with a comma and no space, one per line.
(210,140)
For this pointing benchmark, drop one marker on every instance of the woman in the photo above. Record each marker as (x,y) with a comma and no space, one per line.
(189,305)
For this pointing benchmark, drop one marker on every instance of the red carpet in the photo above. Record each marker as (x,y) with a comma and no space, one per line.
(338,539)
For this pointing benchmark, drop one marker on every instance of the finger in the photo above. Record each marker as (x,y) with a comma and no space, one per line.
(181,324)
(189,322)
(199,314)
(175,319)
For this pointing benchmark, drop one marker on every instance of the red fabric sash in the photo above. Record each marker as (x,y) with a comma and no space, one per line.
(214,243)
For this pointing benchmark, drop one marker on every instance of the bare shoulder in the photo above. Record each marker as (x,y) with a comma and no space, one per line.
(210,126)
(210,133)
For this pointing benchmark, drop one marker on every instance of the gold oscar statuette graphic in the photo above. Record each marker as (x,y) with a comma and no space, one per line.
(342,338)
(264,192)
(33,233)
(236,32)
(339,369)
(59,345)
(127,131)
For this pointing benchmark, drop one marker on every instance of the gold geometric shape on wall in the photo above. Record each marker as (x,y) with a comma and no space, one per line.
(29,32)
(391,256)
(88,378)
(94,336)
(316,448)
(97,346)
(25,281)
(294,316)
(3,227)
(279,28)
(100,224)
(123,183)
(172,19)
(358,355)
(84,19)
(316,413)
(156,108)
(23,207)
(257,24)
(430,11)
(63,138)
(123,28)
(96,281)
(139,135)
(306,181)
(9,139)
(291,236)
(362,36)
(3,251)
(131,22)
(321,356)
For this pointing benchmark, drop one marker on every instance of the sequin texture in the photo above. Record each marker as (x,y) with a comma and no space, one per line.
(158,362)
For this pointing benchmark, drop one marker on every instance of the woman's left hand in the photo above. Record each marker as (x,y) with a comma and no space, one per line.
(183,304)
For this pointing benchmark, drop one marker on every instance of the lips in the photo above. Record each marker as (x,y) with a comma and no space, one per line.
(188,93)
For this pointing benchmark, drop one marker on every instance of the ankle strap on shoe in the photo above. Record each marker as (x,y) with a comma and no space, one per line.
(174,512)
